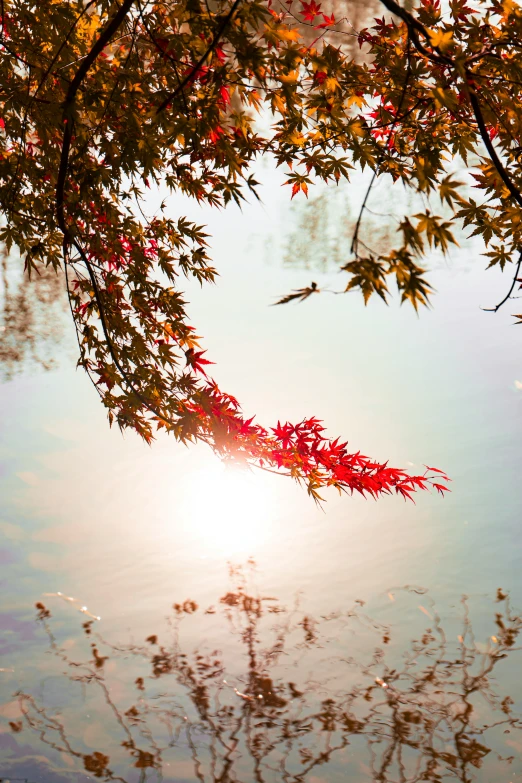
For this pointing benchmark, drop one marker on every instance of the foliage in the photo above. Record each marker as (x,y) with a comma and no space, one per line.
(289,693)
(101,101)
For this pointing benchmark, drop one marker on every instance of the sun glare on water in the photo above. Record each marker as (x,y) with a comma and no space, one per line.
(227,509)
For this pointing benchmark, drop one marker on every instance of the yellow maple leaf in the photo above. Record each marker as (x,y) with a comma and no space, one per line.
(331,84)
(287,34)
(296,138)
(358,100)
(278,104)
(445,98)
(356,128)
(441,39)
(288,78)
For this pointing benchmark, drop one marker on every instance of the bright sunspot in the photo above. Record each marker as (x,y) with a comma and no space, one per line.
(227,509)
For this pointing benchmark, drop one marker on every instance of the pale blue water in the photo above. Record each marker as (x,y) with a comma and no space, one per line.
(127,530)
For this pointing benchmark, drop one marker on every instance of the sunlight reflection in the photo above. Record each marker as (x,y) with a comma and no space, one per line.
(227,509)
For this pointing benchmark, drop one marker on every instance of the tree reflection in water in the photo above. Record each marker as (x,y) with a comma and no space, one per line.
(32,316)
(283,701)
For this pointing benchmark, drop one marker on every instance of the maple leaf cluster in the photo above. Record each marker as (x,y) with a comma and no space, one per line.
(102,101)
(304,452)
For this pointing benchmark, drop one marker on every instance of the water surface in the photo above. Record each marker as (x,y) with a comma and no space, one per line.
(292,688)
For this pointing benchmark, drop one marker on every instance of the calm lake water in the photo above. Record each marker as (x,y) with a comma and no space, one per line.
(199,625)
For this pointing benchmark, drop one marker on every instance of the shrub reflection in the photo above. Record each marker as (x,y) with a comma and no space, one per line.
(32,314)
(287,698)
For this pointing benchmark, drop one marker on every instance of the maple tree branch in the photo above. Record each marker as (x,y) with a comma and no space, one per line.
(195,69)
(95,130)
(512,287)
(506,179)
(74,86)
(67,288)
(353,247)
(79,166)
(406,17)
(355,238)
(414,26)
(60,48)
(98,47)
(80,75)
(108,340)
(163,54)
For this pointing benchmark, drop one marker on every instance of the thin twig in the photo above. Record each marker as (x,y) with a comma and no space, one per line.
(353,248)
(508,295)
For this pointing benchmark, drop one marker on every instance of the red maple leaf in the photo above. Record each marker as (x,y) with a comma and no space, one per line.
(225,95)
(195,361)
(215,133)
(328,21)
(284,433)
(220,54)
(310,10)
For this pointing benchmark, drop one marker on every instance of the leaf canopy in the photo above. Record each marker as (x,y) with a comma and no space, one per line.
(101,101)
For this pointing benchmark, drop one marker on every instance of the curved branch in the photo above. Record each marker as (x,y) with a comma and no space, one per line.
(98,47)
(60,49)
(74,86)
(67,288)
(80,75)
(163,54)
(512,288)
(415,27)
(506,179)
(355,237)
(108,340)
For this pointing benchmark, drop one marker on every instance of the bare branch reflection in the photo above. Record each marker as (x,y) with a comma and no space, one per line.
(287,696)
(322,229)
